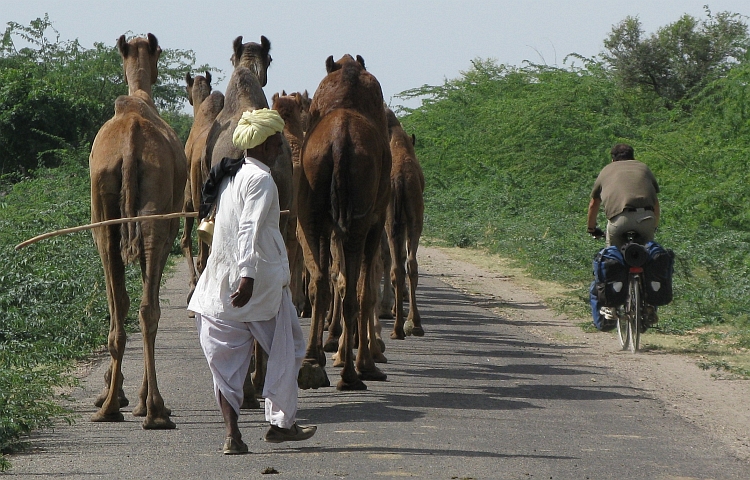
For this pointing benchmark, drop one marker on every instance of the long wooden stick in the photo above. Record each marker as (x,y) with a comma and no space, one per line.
(114,221)
(105,223)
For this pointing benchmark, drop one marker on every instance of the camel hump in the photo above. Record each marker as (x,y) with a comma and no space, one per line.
(139,103)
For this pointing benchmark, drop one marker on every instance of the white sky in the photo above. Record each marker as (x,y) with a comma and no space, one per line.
(405,43)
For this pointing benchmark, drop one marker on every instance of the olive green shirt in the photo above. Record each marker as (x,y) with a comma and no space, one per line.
(625,184)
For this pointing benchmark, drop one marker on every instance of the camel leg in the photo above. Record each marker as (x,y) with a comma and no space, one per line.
(366,296)
(386,301)
(108,243)
(312,373)
(255,378)
(413,325)
(398,280)
(334,328)
(347,288)
(156,249)
(186,243)
(374,329)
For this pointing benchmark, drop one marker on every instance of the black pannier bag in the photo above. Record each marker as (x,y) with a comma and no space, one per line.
(610,285)
(657,275)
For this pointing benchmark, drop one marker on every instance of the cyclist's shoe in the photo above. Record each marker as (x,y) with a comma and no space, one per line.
(608,319)
(651,317)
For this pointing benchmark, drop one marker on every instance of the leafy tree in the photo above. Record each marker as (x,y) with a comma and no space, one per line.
(55,95)
(680,58)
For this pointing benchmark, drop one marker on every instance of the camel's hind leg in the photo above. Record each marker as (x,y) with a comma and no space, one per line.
(110,400)
(386,300)
(413,325)
(312,373)
(157,242)
(398,278)
(366,297)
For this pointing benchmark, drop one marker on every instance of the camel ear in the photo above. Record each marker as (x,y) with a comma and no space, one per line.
(189,79)
(331,66)
(237,49)
(153,44)
(274,98)
(208,76)
(413,140)
(122,46)
(361,61)
(266,44)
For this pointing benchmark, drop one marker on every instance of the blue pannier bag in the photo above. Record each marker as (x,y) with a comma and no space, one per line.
(610,277)
(657,275)
(609,288)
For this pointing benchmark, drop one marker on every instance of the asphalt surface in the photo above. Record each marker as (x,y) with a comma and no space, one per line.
(479,397)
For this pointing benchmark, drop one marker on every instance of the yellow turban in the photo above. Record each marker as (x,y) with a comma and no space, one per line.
(255,127)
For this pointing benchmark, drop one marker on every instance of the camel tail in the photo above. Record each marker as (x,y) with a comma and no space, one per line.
(341,209)
(130,240)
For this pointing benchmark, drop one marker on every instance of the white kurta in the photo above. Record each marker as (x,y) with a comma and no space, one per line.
(246,243)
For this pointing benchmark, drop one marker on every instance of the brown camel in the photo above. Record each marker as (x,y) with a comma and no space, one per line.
(343,196)
(290,107)
(245,92)
(138,167)
(206,106)
(404,226)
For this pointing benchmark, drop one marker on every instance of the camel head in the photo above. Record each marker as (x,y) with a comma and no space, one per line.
(198,88)
(332,66)
(139,58)
(253,56)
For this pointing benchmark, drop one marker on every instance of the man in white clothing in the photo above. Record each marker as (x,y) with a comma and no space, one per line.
(243,293)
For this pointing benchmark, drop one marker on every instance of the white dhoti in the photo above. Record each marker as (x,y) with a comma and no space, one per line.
(228,347)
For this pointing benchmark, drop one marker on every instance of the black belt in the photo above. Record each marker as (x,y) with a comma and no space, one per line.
(632,209)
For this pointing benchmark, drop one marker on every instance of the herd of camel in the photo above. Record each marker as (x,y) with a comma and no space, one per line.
(348,175)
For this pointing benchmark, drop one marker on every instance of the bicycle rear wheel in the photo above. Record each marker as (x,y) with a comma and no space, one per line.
(635,315)
(623,327)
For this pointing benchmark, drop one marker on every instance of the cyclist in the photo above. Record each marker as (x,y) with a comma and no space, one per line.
(628,190)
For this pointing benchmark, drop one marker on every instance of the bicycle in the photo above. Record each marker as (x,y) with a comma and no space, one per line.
(631,314)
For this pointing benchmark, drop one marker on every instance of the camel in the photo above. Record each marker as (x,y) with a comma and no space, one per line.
(206,106)
(343,196)
(137,167)
(403,226)
(291,108)
(245,92)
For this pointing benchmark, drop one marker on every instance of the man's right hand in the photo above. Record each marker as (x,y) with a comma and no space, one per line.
(596,233)
(243,293)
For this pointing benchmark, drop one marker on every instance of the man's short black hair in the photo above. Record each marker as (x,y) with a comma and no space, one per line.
(622,151)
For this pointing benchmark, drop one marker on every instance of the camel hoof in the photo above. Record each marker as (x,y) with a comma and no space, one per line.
(376,375)
(411,329)
(251,403)
(312,376)
(107,417)
(379,358)
(381,344)
(397,336)
(351,386)
(158,423)
(140,410)
(331,345)
(337,362)
(124,402)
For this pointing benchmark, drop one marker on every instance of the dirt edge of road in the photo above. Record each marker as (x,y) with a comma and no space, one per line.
(718,406)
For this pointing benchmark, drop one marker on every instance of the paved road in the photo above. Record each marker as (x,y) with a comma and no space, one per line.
(479,397)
